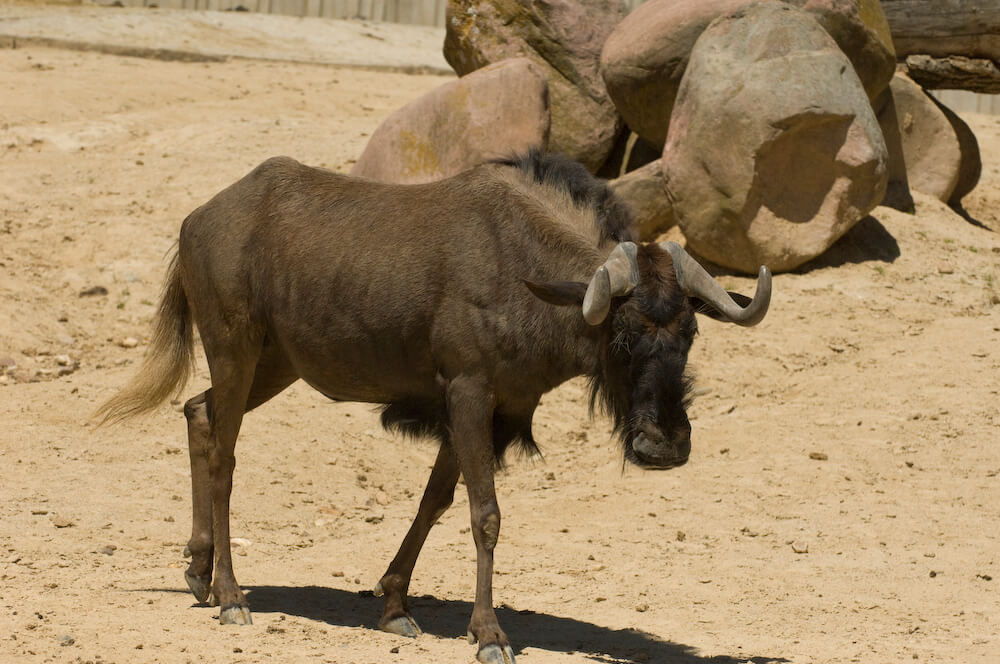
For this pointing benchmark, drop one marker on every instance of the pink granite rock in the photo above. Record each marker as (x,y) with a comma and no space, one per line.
(930,147)
(491,113)
(774,151)
(563,37)
(644,58)
(644,192)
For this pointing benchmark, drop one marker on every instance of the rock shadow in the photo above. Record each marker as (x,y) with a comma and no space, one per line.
(868,240)
(964,214)
(448,619)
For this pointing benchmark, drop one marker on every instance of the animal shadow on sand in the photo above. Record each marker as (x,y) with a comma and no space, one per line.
(448,619)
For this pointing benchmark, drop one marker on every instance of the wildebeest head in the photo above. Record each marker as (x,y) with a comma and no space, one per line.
(644,299)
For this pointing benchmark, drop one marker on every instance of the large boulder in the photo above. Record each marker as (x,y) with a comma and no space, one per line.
(931,151)
(643,191)
(492,113)
(774,151)
(644,58)
(564,37)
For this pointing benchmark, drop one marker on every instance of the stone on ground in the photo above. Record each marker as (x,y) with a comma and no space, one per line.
(644,58)
(643,191)
(930,147)
(563,37)
(489,114)
(774,151)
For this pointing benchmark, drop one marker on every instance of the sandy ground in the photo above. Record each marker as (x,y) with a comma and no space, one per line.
(881,360)
(212,35)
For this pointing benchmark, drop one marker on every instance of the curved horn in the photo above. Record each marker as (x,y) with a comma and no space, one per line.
(696,281)
(618,276)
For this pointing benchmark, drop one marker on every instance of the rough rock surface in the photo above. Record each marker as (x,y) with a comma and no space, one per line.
(643,190)
(644,58)
(488,114)
(930,146)
(564,37)
(803,158)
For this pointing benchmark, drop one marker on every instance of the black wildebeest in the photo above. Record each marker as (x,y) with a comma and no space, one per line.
(456,304)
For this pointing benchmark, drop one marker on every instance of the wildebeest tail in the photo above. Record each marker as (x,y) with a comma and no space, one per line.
(168,363)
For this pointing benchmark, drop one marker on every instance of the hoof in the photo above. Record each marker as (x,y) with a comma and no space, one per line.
(402,625)
(494,654)
(378,592)
(235,615)
(201,586)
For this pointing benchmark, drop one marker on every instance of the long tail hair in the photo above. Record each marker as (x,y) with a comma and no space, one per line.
(169,362)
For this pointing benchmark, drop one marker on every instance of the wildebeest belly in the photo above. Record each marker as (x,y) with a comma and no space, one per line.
(348,358)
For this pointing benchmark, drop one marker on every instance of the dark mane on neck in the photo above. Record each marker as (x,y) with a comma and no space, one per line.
(613,218)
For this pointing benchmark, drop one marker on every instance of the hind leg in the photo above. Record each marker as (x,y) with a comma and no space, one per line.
(199,571)
(232,378)
(271,375)
(394,584)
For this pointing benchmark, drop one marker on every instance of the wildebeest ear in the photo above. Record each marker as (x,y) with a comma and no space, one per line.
(559,293)
(700,307)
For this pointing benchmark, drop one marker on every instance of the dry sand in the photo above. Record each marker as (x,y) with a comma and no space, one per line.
(882,361)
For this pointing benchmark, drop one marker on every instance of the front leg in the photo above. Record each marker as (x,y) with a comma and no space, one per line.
(471,404)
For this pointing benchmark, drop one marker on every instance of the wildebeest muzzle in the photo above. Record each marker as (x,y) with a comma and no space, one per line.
(652,449)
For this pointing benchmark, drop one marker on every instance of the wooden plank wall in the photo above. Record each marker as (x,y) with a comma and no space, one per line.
(414,12)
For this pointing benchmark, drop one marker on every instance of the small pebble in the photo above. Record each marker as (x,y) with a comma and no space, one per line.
(800,547)
(93,290)
(129,342)
(642,608)
(60,521)
(394,650)
(681,536)
(945,268)
(63,360)
(108,549)
(374,518)
(66,640)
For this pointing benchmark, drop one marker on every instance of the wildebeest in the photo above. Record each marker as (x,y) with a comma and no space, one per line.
(455,304)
